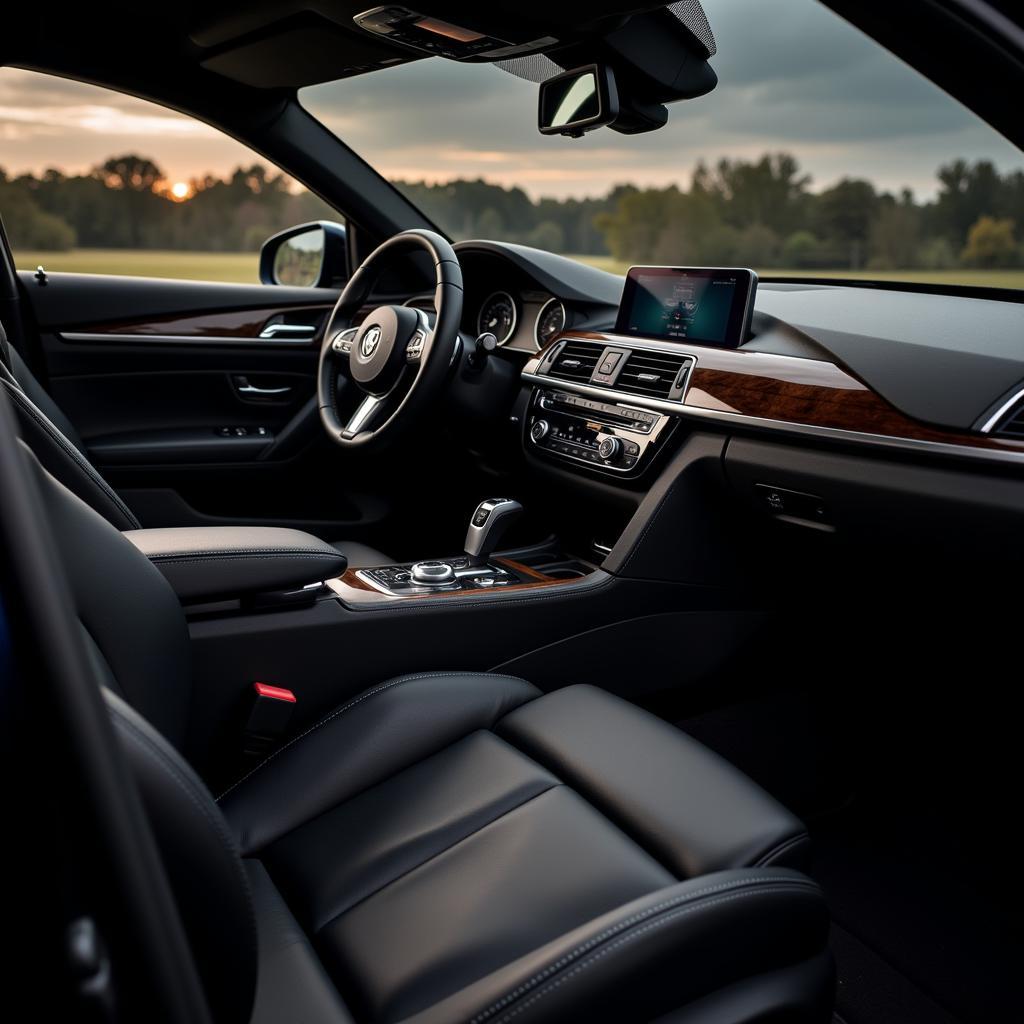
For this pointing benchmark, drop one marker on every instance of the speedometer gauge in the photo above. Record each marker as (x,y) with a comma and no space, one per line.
(550,322)
(498,316)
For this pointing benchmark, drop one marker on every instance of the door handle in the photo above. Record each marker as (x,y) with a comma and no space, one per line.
(243,387)
(288,330)
(250,389)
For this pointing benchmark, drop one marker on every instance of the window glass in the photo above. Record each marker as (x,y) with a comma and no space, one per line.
(818,153)
(98,182)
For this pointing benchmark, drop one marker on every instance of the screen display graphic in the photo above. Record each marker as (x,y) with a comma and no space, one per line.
(701,305)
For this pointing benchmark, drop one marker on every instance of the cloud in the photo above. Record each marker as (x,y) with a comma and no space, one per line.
(793,76)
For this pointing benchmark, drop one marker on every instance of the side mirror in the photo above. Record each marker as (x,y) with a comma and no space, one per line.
(313,255)
(578,101)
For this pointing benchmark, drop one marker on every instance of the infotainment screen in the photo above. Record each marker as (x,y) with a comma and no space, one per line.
(702,305)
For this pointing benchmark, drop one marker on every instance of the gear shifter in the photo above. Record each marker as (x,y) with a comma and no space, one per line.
(488,525)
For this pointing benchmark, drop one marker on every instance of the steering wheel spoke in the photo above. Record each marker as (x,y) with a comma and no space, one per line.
(370,411)
(341,343)
(417,343)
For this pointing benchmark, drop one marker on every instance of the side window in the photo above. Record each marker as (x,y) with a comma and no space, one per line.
(94,181)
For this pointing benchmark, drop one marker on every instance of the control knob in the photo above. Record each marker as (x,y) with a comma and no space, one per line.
(432,573)
(539,431)
(610,449)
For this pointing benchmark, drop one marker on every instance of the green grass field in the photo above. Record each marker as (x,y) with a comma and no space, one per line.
(199,266)
(242,267)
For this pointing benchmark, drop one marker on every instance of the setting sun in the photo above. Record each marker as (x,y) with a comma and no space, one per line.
(181,190)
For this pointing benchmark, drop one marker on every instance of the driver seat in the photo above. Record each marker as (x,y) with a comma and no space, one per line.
(58,446)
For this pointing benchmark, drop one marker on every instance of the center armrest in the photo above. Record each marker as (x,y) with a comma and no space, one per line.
(204,563)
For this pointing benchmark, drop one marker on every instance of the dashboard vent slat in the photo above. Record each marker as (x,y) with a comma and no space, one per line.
(576,362)
(649,373)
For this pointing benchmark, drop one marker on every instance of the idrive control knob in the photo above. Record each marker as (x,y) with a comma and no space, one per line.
(432,573)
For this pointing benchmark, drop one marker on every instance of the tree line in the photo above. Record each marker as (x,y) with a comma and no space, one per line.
(759,213)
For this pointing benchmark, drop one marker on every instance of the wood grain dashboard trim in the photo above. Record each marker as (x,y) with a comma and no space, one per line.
(788,392)
(237,325)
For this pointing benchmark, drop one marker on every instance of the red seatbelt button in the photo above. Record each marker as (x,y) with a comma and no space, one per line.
(273,692)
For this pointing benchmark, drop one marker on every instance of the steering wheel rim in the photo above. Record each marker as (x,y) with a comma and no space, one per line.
(394,359)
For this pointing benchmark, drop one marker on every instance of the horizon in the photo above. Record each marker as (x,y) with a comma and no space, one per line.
(805,83)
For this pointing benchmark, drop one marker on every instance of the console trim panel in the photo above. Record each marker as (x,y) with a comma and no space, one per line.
(784,394)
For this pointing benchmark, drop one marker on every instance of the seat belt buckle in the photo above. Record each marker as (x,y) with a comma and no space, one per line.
(269,715)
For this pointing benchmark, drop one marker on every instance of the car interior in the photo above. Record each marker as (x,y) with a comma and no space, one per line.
(459,632)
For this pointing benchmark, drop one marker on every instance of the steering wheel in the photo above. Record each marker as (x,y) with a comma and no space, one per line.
(396,360)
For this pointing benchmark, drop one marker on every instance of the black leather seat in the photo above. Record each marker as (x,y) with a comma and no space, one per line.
(455,846)
(57,445)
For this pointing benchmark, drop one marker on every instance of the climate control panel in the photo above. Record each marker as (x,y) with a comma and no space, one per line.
(608,436)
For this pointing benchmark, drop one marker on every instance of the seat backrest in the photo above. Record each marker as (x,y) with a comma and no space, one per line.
(55,442)
(136,635)
(133,620)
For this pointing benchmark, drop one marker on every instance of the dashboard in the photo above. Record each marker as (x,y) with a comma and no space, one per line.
(526,298)
(894,372)
(900,380)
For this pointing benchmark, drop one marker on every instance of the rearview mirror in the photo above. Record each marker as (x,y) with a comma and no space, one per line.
(306,256)
(578,101)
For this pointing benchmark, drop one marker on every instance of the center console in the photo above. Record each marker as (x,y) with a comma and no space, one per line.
(597,433)
(474,571)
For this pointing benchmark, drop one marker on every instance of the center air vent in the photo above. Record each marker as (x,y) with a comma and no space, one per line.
(654,374)
(1011,424)
(576,362)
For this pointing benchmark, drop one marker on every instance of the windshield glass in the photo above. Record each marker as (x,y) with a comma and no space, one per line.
(819,153)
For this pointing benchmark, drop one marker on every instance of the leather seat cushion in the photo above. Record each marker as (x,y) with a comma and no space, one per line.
(360,556)
(452,834)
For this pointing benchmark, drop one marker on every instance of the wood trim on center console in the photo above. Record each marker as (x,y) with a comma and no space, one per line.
(795,390)
(352,589)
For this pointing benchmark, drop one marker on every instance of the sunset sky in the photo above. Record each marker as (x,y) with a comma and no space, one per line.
(793,77)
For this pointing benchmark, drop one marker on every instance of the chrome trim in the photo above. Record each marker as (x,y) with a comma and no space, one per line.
(515,316)
(363,414)
(784,426)
(296,330)
(1003,409)
(539,316)
(250,389)
(174,339)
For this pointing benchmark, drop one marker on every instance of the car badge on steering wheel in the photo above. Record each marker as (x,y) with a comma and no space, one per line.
(369,342)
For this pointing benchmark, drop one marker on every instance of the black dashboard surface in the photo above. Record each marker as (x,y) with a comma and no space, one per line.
(939,358)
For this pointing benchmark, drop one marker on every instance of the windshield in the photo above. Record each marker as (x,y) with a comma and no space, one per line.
(819,153)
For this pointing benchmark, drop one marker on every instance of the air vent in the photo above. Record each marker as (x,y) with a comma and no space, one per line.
(1012,423)
(576,362)
(653,374)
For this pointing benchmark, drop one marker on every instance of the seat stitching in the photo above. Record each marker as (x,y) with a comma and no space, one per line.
(438,853)
(239,552)
(351,704)
(620,926)
(680,911)
(779,848)
(72,452)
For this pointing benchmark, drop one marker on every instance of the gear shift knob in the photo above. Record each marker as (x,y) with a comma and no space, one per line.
(488,525)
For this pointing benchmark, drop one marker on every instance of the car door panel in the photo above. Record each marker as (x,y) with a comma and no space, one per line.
(197,400)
